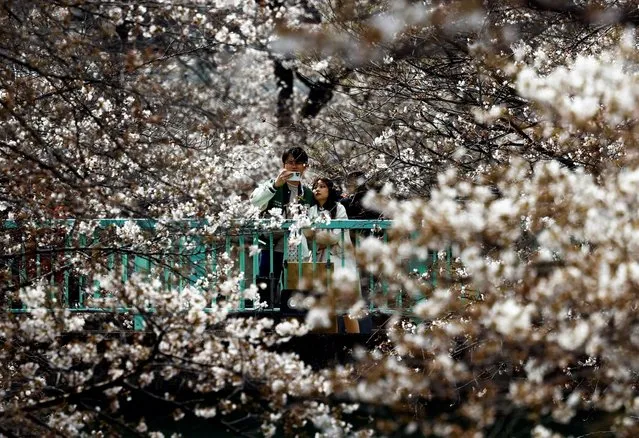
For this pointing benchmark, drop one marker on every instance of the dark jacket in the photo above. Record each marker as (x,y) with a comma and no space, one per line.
(355,209)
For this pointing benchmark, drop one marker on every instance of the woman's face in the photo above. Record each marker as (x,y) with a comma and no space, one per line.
(320,191)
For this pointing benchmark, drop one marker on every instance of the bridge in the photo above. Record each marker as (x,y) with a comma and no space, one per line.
(72,256)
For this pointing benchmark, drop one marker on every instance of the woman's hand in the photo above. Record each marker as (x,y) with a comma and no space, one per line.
(326,238)
(322,239)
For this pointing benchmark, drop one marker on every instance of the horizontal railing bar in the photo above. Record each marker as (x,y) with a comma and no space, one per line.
(254,224)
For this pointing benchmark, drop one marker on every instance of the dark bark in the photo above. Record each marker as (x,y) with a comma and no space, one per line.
(284,77)
(319,95)
(590,14)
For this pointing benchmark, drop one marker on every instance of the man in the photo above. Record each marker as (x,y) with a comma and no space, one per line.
(355,190)
(282,193)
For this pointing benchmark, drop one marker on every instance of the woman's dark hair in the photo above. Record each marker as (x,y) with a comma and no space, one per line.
(333,195)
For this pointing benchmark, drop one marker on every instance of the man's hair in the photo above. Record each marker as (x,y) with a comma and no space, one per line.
(358,180)
(296,153)
(357,176)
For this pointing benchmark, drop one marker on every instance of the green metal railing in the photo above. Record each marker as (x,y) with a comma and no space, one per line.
(178,253)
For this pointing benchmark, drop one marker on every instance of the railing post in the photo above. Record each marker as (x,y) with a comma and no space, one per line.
(242,284)
(284,263)
(434,269)
(255,257)
(138,322)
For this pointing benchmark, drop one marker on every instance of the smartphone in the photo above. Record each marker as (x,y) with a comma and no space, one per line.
(295,176)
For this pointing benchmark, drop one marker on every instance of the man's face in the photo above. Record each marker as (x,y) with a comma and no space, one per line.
(294,166)
(351,184)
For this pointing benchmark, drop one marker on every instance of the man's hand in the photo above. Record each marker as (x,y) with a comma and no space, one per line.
(282,178)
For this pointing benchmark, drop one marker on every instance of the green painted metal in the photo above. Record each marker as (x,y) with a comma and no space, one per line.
(214,265)
(110,267)
(433,269)
(38,265)
(242,264)
(180,274)
(270,249)
(82,280)
(285,269)
(255,258)
(124,260)
(193,255)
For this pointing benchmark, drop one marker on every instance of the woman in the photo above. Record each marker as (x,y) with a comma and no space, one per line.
(332,245)
(326,206)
